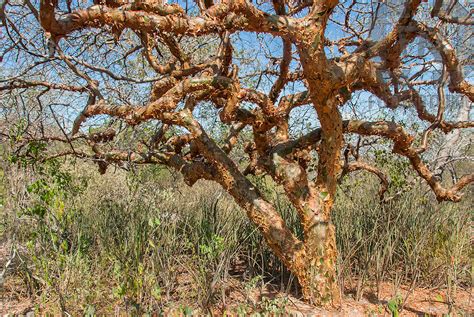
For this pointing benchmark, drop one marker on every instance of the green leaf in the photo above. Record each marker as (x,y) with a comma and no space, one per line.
(156,292)
(324,196)
(393,306)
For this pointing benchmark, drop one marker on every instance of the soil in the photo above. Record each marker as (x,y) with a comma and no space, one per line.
(420,302)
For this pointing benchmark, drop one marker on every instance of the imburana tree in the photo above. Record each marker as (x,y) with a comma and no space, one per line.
(106,69)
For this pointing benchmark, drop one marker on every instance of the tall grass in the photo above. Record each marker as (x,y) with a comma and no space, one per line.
(411,240)
(145,242)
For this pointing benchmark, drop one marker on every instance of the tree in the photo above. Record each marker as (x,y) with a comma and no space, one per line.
(145,87)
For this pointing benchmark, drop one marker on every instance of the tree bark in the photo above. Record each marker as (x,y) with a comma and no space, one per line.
(317,274)
(318,278)
(316,269)
(320,283)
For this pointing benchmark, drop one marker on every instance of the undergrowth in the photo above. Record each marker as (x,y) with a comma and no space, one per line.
(145,242)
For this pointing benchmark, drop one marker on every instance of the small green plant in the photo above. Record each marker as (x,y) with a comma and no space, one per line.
(252,283)
(242,310)
(214,248)
(394,305)
(187,311)
(89,311)
(273,307)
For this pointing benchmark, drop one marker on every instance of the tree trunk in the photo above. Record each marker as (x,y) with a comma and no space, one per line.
(314,261)
(319,279)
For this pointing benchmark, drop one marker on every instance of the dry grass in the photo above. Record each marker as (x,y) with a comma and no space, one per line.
(145,242)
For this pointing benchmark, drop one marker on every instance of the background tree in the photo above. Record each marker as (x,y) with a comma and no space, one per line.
(143,82)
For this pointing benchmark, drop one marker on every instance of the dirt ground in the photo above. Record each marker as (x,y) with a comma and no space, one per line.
(421,302)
